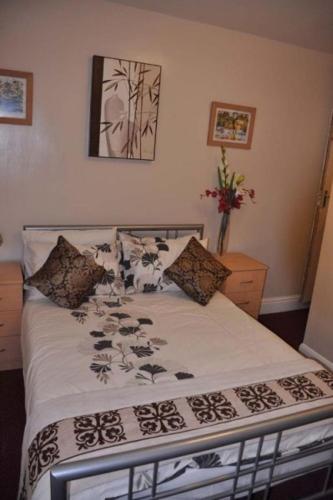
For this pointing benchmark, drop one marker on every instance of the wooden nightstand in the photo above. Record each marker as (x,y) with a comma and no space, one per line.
(11,294)
(245,285)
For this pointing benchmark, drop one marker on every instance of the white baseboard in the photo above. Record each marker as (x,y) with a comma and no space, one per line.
(310,353)
(280,304)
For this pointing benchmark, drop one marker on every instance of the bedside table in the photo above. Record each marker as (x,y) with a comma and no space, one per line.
(11,295)
(245,285)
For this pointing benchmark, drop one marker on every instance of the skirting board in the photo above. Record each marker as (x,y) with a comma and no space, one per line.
(280,304)
(310,353)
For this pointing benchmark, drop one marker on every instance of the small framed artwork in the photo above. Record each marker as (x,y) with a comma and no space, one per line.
(231,125)
(124,108)
(15,97)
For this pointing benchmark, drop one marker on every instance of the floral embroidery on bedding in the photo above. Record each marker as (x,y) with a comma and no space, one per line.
(143,263)
(43,451)
(72,436)
(121,343)
(108,256)
(98,429)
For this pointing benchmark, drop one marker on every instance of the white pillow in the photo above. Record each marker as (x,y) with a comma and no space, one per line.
(105,253)
(145,259)
(73,236)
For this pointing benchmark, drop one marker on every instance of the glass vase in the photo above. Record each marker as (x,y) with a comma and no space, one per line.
(223,231)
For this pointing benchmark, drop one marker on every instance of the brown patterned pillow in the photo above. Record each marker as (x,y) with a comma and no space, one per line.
(197,273)
(67,277)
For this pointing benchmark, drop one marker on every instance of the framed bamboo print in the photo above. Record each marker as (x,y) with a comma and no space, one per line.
(231,125)
(15,97)
(124,108)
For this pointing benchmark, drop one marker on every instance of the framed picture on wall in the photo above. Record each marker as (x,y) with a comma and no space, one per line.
(124,108)
(15,97)
(231,125)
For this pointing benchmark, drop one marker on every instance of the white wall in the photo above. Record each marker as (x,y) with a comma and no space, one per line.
(46,176)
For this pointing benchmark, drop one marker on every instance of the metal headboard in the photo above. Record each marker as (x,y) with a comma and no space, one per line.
(169,230)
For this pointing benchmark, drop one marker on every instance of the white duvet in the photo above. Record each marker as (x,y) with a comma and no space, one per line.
(111,354)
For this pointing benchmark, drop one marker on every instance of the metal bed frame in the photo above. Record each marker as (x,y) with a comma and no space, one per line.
(168,230)
(321,453)
(61,474)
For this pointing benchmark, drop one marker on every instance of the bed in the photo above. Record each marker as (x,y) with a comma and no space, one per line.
(151,395)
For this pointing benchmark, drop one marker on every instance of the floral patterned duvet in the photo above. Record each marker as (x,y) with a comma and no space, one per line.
(112,353)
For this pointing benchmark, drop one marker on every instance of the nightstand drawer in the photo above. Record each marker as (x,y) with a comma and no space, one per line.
(249,302)
(246,281)
(10,298)
(10,323)
(10,353)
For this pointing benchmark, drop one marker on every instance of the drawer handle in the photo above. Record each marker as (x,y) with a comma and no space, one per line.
(2,350)
(246,282)
(242,303)
(2,324)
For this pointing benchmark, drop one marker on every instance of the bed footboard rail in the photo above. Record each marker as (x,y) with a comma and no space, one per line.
(261,474)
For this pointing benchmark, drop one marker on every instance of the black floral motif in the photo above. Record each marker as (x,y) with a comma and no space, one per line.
(120,315)
(80,316)
(129,281)
(162,246)
(211,407)
(95,333)
(43,451)
(208,461)
(258,397)
(150,259)
(300,388)
(126,264)
(153,370)
(128,330)
(98,429)
(157,418)
(142,351)
(183,375)
(326,377)
(149,287)
(114,303)
(101,365)
(104,247)
(103,344)
(145,321)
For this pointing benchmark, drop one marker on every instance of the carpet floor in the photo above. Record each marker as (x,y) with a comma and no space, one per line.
(290,326)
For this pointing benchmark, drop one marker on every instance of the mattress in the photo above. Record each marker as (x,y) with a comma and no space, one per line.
(114,353)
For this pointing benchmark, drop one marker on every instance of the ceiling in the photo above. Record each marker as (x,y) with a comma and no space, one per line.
(307,23)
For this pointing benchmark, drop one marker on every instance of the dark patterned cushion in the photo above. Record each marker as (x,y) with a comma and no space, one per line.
(67,277)
(197,273)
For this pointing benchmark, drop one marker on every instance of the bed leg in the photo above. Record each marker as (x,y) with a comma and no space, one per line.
(327,478)
(155,475)
(130,483)
(272,465)
(58,487)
